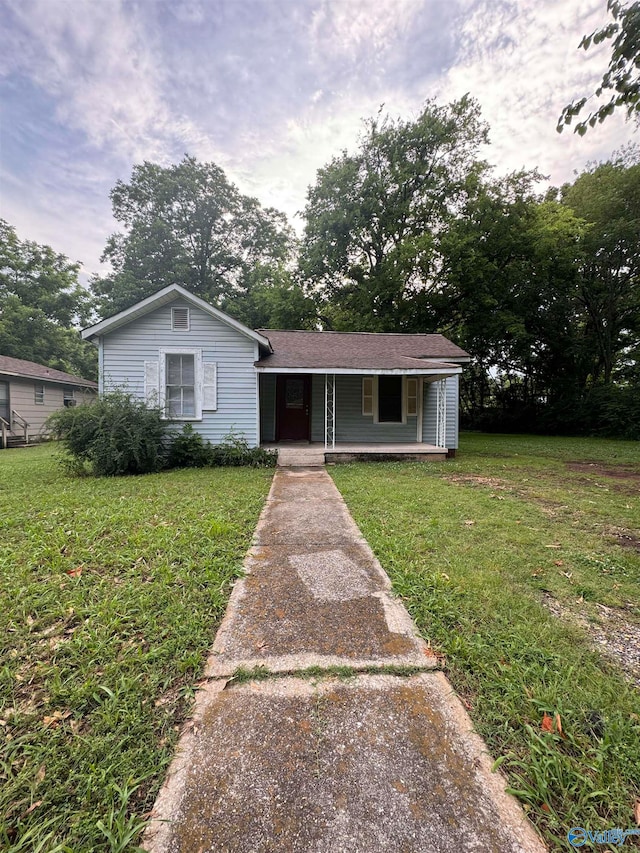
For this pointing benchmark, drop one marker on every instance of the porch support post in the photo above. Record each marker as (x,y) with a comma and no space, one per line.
(329,411)
(441,413)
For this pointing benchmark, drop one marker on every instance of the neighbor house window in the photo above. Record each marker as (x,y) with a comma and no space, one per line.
(69,397)
(180,319)
(180,388)
(390,399)
(39,395)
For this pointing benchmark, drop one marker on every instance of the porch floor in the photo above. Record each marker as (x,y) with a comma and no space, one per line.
(292,453)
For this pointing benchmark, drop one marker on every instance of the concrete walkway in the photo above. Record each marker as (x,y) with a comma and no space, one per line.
(297,757)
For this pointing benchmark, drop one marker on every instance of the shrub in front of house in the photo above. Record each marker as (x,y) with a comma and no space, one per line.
(120,435)
(234,450)
(188,449)
(116,435)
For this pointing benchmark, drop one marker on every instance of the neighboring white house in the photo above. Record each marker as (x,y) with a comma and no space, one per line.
(205,368)
(30,392)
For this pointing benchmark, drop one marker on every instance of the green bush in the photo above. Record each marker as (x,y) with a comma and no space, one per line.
(116,435)
(189,449)
(235,451)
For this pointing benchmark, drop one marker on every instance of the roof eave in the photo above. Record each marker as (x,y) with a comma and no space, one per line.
(451,370)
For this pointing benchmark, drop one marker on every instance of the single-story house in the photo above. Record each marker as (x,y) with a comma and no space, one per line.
(270,386)
(30,392)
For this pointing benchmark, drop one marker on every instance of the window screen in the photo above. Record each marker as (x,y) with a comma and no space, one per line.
(180,388)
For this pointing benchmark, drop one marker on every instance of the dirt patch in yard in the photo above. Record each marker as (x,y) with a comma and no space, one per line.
(475,480)
(610,631)
(628,474)
(623,537)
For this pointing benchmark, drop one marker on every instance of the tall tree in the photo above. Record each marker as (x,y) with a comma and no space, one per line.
(607,198)
(621,80)
(374,218)
(509,273)
(187,224)
(41,306)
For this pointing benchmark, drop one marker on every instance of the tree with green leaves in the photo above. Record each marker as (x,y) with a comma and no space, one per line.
(41,306)
(508,296)
(188,224)
(374,218)
(607,198)
(621,80)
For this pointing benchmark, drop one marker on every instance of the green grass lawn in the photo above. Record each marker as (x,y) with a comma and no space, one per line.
(475,547)
(111,591)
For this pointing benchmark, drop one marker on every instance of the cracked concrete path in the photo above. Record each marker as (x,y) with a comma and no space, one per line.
(282,760)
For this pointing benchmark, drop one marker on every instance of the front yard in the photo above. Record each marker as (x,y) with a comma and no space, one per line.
(520,562)
(111,594)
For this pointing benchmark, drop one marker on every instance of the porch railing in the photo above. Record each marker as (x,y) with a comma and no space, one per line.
(16,417)
(329,410)
(441,413)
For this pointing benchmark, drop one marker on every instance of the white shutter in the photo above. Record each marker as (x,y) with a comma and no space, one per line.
(152,383)
(209,386)
(412,396)
(367,395)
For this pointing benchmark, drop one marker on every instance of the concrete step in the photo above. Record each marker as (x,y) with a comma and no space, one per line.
(307,461)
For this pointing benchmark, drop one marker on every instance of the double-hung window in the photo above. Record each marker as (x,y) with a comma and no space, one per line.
(180,385)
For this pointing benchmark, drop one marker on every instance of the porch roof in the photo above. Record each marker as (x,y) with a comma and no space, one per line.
(360,352)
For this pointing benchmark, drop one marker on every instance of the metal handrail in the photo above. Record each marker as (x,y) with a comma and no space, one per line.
(16,416)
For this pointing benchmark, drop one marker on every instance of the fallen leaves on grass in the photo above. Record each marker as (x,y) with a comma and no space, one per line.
(54,720)
(552,724)
(75,573)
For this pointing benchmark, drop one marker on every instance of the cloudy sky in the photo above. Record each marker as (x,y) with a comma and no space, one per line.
(269,90)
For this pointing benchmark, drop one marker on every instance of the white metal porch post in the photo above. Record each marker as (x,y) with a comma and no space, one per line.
(329,411)
(441,413)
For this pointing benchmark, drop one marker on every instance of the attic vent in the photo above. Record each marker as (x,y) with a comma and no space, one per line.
(180,319)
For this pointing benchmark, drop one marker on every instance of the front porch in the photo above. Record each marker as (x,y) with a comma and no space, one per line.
(311,454)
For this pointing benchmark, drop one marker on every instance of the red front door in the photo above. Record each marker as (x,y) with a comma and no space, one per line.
(293,393)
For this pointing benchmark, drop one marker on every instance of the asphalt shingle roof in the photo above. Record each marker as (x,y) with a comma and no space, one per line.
(357,350)
(31,370)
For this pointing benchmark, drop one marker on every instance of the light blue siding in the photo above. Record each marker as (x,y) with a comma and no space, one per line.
(267,407)
(126,349)
(351,424)
(429,416)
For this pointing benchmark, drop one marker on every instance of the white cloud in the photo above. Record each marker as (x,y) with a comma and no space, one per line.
(521,61)
(271,91)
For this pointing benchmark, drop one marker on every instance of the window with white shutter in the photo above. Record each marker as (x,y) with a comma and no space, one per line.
(412,396)
(367,395)
(152,383)
(209,386)
(181,383)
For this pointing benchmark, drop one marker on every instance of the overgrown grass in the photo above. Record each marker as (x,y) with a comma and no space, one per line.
(111,591)
(473,546)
